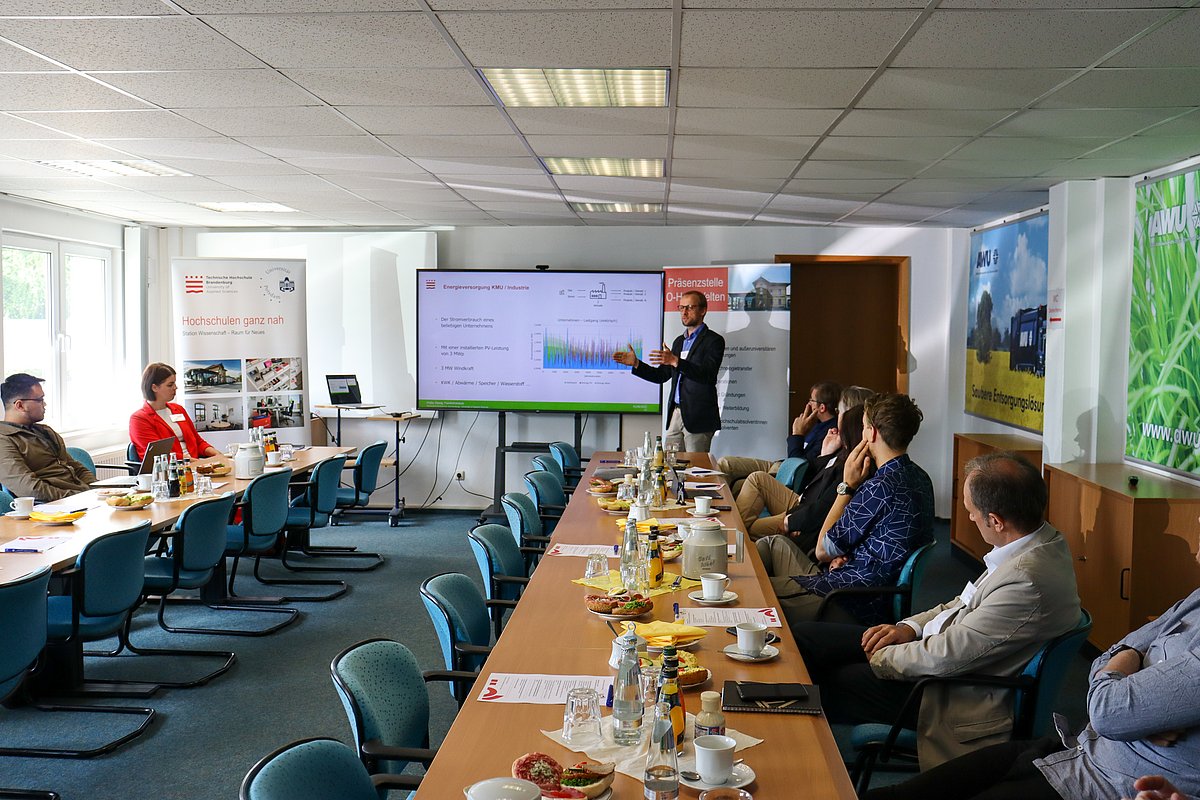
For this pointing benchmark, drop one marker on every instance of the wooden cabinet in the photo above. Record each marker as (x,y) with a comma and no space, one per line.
(963,533)
(1134,546)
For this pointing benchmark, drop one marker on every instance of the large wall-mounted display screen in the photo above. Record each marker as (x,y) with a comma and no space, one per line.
(536,340)
(1006,323)
(1162,422)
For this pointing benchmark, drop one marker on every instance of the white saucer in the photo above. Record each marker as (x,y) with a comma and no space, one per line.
(742,776)
(712,513)
(698,596)
(767,653)
(17,515)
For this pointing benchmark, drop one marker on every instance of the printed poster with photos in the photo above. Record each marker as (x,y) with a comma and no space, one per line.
(1006,323)
(241,346)
(750,305)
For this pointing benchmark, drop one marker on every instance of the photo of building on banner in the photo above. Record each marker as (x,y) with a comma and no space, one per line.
(749,305)
(1006,323)
(1162,423)
(241,346)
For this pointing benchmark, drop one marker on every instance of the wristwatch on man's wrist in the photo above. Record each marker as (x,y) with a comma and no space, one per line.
(845,489)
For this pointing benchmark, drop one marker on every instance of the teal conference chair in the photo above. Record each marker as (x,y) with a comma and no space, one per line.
(547,464)
(502,565)
(353,500)
(197,547)
(383,690)
(527,525)
(316,508)
(547,493)
(85,458)
(907,584)
(314,769)
(1035,692)
(791,473)
(460,617)
(568,458)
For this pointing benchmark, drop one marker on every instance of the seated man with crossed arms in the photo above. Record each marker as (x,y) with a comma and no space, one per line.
(1026,597)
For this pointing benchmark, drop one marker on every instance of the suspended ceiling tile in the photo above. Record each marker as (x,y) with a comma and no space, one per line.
(296,6)
(964,88)
(97,43)
(822,205)
(1100,167)
(480,166)
(743,147)
(768,185)
(731,168)
(860,169)
(449,146)
(428,120)
(904,148)
(286,147)
(747,200)
(1155,149)
(770,38)
(1128,88)
(293,121)
(244,88)
(209,148)
(539,207)
(542,5)
(563,39)
(769,88)
(392,87)
(1003,148)
(918,122)
(989,168)
(53,149)
(131,124)
(318,41)
(597,121)
(1002,38)
(1185,125)
(356,165)
(14,128)
(600,146)
(1060,122)
(857,186)
(806,4)
(958,185)
(14,59)
(60,91)
(760,121)
(1172,45)
(214,167)
(84,8)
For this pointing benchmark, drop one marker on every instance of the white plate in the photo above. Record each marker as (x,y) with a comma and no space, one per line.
(613,493)
(18,514)
(618,617)
(742,776)
(672,554)
(131,508)
(57,523)
(698,596)
(701,684)
(689,646)
(616,512)
(712,513)
(767,654)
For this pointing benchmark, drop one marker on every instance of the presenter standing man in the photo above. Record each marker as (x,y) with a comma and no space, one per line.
(691,364)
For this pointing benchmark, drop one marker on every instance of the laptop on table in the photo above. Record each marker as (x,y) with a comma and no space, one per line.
(344,392)
(159,447)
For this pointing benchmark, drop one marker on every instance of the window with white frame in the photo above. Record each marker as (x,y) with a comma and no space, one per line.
(62,312)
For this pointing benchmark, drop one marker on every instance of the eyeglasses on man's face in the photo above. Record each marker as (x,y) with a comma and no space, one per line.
(33,399)
(689,308)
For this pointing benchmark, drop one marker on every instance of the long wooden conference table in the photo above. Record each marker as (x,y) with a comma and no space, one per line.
(102,518)
(551,632)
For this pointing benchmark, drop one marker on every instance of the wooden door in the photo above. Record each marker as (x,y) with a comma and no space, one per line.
(849,317)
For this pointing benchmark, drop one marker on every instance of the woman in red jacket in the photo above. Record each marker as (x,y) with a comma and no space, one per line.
(160,418)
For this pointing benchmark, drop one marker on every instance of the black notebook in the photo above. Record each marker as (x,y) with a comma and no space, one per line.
(778,698)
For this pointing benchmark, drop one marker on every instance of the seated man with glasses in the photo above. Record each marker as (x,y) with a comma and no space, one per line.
(33,458)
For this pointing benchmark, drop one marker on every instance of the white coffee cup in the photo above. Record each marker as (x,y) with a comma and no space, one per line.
(274,458)
(751,638)
(712,585)
(23,505)
(703,505)
(714,758)
(145,482)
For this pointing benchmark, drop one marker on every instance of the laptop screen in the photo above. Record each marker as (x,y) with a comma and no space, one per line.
(343,390)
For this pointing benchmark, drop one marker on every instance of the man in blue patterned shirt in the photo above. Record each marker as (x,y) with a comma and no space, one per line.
(875,523)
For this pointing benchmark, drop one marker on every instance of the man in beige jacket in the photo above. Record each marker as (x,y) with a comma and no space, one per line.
(1026,596)
(33,458)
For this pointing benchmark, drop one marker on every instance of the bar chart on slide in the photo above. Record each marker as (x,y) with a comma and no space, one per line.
(581,348)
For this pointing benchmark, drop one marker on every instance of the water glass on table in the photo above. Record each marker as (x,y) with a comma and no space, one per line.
(597,566)
(204,485)
(581,717)
(161,490)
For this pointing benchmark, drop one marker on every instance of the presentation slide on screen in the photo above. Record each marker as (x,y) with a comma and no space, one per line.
(536,340)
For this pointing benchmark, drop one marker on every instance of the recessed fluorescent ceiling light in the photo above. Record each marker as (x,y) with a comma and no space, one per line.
(110,169)
(610,167)
(595,88)
(271,208)
(620,208)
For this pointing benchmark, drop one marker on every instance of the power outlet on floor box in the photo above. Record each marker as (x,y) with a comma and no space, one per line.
(460,475)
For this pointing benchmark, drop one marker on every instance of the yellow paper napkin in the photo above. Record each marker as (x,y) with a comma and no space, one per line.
(659,633)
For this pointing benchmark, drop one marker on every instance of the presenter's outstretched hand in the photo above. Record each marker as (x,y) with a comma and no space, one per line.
(626,357)
(664,357)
